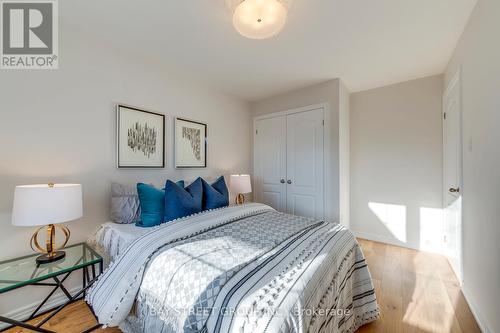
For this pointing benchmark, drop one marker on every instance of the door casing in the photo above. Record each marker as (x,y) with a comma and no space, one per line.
(455,256)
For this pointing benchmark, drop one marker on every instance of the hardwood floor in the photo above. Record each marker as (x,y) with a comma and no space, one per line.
(75,318)
(416,292)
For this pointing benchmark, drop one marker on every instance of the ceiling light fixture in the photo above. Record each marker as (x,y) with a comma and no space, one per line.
(258,19)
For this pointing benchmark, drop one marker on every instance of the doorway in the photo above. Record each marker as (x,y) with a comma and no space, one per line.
(452,173)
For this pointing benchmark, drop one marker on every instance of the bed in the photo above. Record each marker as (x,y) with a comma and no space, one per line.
(111,239)
(237,269)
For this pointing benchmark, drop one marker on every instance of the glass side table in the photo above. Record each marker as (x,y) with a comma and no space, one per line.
(24,271)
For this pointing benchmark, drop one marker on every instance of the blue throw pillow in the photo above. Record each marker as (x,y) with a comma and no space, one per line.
(180,183)
(215,195)
(152,201)
(180,201)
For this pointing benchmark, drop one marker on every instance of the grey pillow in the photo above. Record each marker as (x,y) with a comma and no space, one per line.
(125,206)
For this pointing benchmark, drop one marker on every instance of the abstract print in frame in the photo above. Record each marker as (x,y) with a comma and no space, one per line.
(140,138)
(190,144)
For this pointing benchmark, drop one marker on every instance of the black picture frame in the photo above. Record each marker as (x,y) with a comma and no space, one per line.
(119,163)
(176,162)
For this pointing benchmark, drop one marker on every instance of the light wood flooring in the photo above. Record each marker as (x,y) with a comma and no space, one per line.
(416,292)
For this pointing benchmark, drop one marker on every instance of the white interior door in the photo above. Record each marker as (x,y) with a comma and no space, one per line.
(270,162)
(305,164)
(452,196)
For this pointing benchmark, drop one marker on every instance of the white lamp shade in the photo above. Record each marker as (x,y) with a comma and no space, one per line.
(259,19)
(36,205)
(240,184)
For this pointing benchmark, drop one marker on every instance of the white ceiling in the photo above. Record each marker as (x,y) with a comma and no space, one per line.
(366,43)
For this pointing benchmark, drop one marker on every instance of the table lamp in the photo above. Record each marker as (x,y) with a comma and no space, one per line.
(240,184)
(46,206)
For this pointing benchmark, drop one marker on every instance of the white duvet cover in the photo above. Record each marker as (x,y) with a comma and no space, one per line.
(238,269)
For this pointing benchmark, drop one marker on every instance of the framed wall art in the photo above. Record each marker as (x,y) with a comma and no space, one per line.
(140,138)
(190,144)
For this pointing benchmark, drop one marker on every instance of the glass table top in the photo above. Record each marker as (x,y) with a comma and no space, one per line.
(22,271)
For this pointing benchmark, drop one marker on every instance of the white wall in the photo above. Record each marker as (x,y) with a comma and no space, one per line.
(478,57)
(329,93)
(60,126)
(396,160)
(344,155)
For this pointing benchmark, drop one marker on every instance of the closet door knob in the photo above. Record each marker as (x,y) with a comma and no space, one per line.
(282,181)
(288,181)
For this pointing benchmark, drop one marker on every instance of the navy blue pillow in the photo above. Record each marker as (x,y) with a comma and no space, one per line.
(152,201)
(181,202)
(215,195)
(180,183)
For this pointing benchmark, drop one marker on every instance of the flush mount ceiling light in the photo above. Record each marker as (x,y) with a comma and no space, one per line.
(258,19)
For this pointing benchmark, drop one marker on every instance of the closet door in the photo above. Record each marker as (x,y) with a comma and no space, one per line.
(270,162)
(305,164)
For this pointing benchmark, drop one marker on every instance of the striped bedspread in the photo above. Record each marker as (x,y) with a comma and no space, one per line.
(238,269)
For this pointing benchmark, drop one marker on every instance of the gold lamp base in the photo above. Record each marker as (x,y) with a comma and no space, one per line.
(240,199)
(46,258)
(50,253)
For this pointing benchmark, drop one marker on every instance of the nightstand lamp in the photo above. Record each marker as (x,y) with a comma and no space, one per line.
(46,206)
(241,185)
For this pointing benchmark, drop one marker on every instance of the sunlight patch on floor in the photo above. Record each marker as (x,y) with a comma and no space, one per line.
(430,308)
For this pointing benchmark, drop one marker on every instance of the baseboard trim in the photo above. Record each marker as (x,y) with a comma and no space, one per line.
(24,312)
(475,312)
(384,239)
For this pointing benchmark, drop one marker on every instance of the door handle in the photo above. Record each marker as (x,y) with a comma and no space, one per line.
(288,181)
(454,190)
(282,181)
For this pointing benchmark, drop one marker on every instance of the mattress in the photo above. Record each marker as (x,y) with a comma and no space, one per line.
(111,239)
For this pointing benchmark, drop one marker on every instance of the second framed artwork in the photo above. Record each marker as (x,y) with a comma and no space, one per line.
(190,144)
